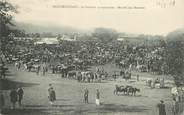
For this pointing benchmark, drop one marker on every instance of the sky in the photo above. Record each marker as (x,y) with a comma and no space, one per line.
(151,18)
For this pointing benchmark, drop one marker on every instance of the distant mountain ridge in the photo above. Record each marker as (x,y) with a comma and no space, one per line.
(33,28)
(55,29)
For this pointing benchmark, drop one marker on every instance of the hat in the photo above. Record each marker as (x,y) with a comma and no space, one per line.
(161,101)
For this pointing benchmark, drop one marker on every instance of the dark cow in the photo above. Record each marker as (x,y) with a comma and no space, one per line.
(132,90)
(119,89)
(71,75)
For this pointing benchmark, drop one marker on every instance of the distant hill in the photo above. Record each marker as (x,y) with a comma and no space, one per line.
(33,28)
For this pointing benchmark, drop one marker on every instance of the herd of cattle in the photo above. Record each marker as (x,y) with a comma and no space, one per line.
(71,72)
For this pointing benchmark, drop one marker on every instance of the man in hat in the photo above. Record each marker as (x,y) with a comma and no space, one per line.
(20,93)
(86,92)
(79,76)
(161,107)
(13,97)
(114,76)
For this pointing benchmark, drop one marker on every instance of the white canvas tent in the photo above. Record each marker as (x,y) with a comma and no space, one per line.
(48,41)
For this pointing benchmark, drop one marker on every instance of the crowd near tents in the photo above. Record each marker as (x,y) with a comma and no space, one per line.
(65,56)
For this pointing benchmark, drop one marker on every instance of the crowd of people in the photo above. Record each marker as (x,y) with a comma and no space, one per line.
(79,55)
(72,60)
(82,54)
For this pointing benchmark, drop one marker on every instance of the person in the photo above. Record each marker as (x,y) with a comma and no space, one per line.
(161,107)
(92,77)
(162,84)
(44,70)
(149,82)
(102,70)
(13,97)
(86,92)
(53,69)
(153,84)
(88,77)
(52,94)
(37,69)
(2,102)
(25,66)
(130,67)
(114,76)
(83,77)
(121,73)
(2,72)
(29,66)
(19,65)
(174,106)
(20,93)
(79,76)
(97,97)
(97,69)
(137,77)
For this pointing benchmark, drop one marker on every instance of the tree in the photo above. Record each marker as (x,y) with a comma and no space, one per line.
(6,10)
(104,34)
(175,56)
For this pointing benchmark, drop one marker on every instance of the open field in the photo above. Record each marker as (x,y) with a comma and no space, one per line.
(69,94)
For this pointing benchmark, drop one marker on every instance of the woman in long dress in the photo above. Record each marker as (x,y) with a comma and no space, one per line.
(97,97)
(52,95)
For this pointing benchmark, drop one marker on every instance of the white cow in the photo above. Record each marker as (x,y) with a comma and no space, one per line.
(174,91)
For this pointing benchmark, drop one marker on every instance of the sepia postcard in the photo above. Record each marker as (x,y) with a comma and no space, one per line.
(91,57)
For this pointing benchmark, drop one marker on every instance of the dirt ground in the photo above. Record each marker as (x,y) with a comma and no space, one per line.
(69,94)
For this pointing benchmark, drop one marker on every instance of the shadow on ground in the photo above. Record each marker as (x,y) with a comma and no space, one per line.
(23,112)
(43,110)
(72,109)
(6,84)
(121,108)
(8,73)
(62,99)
